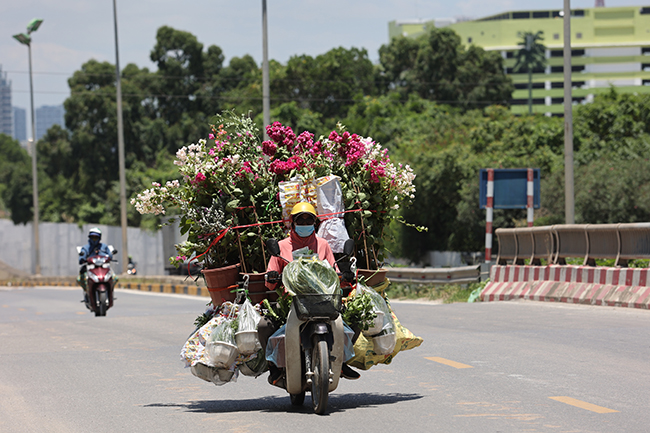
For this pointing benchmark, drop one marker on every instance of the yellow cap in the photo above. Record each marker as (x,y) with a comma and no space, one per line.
(303,206)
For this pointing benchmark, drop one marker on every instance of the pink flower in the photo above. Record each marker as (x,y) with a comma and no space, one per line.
(211,136)
(269,148)
(200,177)
(284,167)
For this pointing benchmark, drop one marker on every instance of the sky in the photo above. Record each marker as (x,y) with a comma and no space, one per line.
(75,31)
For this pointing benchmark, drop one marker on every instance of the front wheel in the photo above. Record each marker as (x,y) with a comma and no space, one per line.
(100,310)
(297,399)
(321,380)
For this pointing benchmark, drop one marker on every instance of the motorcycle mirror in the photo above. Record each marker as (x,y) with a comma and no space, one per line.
(348,247)
(112,249)
(79,250)
(273,246)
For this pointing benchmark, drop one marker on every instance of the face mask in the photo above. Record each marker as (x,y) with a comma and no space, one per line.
(304,231)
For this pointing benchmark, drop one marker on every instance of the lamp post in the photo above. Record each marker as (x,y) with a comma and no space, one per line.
(120,151)
(26,39)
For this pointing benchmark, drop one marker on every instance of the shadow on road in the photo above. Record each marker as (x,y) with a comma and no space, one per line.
(337,403)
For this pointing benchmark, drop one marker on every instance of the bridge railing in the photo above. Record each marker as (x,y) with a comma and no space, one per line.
(554,244)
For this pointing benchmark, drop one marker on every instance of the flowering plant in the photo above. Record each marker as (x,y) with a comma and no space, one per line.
(229,191)
(371,182)
(225,183)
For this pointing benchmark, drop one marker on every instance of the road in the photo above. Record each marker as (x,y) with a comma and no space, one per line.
(484,367)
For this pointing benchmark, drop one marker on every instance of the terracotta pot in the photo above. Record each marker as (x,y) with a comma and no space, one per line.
(220,282)
(257,289)
(373,277)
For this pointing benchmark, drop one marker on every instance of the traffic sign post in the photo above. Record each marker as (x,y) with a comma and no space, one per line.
(517,188)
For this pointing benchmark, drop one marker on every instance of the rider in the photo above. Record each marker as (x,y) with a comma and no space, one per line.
(94,246)
(303,220)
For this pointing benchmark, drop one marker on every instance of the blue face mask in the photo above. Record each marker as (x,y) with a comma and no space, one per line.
(304,231)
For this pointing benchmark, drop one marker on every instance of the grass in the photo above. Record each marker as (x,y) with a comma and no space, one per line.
(448,293)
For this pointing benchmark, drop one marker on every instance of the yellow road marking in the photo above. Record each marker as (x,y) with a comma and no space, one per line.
(583,405)
(448,362)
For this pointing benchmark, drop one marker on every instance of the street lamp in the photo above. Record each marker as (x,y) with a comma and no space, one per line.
(26,39)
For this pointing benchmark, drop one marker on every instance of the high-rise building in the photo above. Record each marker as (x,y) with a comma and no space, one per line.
(610,47)
(46,116)
(20,124)
(6,124)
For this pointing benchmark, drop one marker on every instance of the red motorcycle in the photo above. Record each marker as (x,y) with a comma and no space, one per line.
(99,283)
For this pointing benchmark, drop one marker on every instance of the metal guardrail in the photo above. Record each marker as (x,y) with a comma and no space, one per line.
(621,242)
(458,275)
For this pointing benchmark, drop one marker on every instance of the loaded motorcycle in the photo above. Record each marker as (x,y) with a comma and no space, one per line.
(314,341)
(99,282)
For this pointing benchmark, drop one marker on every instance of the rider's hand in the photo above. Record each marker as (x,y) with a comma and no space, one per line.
(82,261)
(348,276)
(272,277)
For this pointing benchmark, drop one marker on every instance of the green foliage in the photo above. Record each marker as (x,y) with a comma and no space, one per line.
(437,67)
(15,181)
(359,311)
(447,294)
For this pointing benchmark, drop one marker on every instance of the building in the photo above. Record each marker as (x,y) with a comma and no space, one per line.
(6,123)
(20,124)
(46,116)
(610,47)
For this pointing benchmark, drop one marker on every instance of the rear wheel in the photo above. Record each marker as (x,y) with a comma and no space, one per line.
(103,302)
(320,384)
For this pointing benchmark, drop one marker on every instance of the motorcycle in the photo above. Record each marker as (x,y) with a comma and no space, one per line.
(131,269)
(100,281)
(314,342)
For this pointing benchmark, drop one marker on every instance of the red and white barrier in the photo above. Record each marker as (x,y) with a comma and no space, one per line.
(621,287)
(489,213)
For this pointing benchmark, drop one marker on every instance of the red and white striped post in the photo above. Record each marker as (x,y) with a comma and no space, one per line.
(489,215)
(529,201)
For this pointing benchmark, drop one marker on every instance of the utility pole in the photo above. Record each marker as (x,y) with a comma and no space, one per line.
(120,151)
(569,204)
(266,98)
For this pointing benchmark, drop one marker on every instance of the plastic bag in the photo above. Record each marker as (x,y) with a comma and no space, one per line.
(275,347)
(246,336)
(329,200)
(384,317)
(348,347)
(310,276)
(221,349)
(218,376)
(248,317)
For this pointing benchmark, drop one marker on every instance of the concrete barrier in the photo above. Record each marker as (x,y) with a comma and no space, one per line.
(619,287)
(458,275)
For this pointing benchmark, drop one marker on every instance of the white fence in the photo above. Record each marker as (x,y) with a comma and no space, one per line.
(58,243)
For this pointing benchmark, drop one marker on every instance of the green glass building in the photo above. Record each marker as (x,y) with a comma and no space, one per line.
(610,47)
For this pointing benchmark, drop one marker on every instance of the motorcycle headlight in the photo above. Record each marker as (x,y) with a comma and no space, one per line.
(91,266)
(93,277)
(106,265)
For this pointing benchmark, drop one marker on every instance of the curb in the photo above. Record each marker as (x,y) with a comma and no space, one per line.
(181,289)
(614,287)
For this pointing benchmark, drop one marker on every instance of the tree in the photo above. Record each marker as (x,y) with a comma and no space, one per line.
(437,67)
(328,84)
(15,181)
(530,57)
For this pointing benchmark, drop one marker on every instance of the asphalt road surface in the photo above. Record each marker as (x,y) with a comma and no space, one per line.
(484,367)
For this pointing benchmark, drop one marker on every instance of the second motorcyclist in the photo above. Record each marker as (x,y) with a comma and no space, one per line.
(94,246)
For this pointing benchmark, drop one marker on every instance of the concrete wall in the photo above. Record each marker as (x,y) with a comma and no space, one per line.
(58,243)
